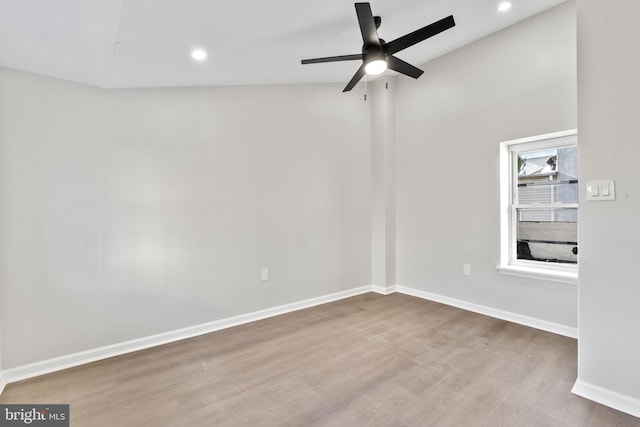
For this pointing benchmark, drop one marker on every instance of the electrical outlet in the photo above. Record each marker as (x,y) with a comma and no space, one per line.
(264,274)
(466,269)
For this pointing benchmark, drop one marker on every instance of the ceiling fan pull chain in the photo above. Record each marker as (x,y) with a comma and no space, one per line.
(365,87)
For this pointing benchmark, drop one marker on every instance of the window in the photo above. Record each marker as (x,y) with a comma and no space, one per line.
(539,207)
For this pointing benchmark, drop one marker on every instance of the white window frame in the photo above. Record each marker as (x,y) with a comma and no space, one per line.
(509,264)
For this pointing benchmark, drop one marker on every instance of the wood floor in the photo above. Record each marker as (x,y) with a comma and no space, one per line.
(369,360)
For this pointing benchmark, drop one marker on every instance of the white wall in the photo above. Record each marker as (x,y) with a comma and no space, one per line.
(516,83)
(608,110)
(134,212)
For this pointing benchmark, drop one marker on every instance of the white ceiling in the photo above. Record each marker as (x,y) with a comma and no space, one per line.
(147,43)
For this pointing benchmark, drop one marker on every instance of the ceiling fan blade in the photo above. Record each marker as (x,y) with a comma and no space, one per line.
(420,35)
(367,25)
(354,57)
(397,64)
(355,79)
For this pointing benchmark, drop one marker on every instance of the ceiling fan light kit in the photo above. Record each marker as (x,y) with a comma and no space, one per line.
(378,55)
(375,67)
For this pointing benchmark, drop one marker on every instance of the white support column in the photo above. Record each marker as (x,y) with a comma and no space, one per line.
(383,220)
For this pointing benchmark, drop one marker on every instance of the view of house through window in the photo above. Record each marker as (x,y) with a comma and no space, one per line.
(539,205)
(545,205)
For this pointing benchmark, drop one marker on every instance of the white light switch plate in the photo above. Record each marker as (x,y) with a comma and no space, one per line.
(600,191)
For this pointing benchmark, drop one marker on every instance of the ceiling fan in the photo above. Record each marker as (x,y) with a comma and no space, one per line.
(377,55)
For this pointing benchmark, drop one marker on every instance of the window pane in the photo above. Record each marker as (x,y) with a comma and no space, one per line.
(549,235)
(548,176)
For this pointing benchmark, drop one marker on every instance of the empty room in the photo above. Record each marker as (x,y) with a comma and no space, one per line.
(395,213)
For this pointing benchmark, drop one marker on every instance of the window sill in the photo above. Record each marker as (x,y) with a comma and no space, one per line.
(570,277)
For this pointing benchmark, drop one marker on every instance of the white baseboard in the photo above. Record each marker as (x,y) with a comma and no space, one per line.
(383,290)
(606,397)
(80,358)
(544,325)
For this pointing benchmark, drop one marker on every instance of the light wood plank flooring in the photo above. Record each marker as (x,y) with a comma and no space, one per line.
(369,360)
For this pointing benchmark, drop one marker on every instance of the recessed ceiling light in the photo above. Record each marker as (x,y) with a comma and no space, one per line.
(199,54)
(504,6)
